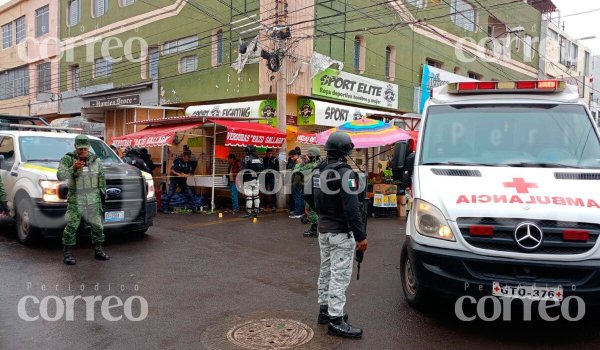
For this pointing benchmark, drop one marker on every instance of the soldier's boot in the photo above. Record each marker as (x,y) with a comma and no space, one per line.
(247,215)
(324,317)
(99,253)
(68,257)
(312,231)
(338,327)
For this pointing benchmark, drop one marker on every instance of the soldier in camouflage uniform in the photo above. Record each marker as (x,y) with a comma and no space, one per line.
(3,205)
(311,161)
(341,229)
(84,174)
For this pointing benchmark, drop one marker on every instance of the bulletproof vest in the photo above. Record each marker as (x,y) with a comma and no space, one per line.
(331,202)
(255,164)
(87,178)
(181,167)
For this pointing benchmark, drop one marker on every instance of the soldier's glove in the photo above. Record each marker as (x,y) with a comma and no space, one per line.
(360,254)
(4,208)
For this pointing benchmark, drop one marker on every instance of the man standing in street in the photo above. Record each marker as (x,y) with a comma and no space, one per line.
(253,166)
(3,204)
(290,166)
(298,189)
(232,171)
(271,165)
(84,175)
(180,171)
(341,229)
(311,161)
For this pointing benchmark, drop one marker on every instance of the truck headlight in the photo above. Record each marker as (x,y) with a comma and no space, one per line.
(50,190)
(430,222)
(149,185)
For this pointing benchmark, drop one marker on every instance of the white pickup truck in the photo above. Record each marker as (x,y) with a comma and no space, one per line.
(28,165)
(507,195)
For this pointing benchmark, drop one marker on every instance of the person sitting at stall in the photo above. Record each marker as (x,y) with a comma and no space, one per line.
(180,171)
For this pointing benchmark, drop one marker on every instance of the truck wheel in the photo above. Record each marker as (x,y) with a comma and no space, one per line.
(416,295)
(27,232)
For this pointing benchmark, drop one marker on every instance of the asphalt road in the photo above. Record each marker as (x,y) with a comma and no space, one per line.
(202,276)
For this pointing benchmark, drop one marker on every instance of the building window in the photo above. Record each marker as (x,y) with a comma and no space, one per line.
(20,29)
(553,34)
(456,70)
(14,83)
(434,63)
(390,62)
(220,47)
(417,3)
(153,59)
(99,7)
(102,68)
(463,15)
(475,76)
(74,76)
(42,20)
(126,2)
(44,77)
(7,36)
(188,64)
(360,48)
(517,41)
(180,45)
(586,63)
(74,12)
(528,48)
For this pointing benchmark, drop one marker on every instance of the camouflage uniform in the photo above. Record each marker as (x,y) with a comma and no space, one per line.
(87,187)
(306,169)
(3,205)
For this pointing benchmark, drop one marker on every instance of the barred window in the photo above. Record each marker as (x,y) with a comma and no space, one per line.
(103,68)
(180,45)
(463,15)
(100,7)
(188,64)
(74,12)
(44,77)
(153,59)
(42,20)
(20,29)
(14,83)
(7,36)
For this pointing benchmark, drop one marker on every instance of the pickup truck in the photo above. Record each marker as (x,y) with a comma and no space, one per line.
(29,161)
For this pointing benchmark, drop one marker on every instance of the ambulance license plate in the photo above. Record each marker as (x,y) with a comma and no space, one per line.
(528,292)
(114,216)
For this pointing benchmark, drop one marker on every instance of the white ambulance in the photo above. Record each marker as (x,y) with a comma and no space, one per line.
(507,195)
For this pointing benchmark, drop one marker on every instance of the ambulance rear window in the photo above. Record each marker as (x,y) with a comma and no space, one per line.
(516,135)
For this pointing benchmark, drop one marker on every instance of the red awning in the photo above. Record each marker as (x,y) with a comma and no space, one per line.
(251,134)
(151,136)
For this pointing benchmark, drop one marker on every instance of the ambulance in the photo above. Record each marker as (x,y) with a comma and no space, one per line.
(506,186)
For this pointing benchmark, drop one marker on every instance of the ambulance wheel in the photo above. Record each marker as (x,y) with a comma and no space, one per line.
(415,294)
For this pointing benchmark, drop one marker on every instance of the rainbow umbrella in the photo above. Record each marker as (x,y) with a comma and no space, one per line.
(366,133)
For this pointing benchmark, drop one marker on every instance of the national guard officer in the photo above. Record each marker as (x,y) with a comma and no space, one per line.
(341,231)
(84,174)
(3,204)
(311,161)
(253,166)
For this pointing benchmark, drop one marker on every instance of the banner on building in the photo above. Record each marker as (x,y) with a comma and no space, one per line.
(434,77)
(250,109)
(315,112)
(349,87)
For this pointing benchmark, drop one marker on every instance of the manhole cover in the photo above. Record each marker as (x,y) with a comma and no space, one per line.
(270,333)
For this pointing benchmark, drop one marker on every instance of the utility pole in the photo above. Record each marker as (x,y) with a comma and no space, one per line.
(281,19)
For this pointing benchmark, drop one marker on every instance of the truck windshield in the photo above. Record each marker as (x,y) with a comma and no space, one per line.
(52,149)
(515,135)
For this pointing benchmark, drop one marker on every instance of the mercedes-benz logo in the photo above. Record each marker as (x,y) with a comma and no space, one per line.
(529,236)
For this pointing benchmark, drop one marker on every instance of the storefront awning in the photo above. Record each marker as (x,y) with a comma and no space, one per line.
(153,136)
(251,134)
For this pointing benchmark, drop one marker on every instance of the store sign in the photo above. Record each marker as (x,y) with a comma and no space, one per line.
(116,101)
(251,109)
(434,77)
(355,88)
(314,112)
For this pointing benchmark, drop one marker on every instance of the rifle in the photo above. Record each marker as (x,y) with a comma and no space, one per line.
(365,214)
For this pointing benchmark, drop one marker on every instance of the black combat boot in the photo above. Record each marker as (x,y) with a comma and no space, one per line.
(248,215)
(312,231)
(99,253)
(340,328)
(68,257)
(324,317)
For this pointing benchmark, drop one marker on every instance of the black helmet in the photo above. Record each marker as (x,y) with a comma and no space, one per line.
(131,151)
(339,141)
(250,149)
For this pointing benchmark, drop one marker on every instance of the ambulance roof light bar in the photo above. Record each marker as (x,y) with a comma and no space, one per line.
(482,87)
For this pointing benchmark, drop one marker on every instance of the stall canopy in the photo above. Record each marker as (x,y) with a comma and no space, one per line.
(251,134)
(158,135)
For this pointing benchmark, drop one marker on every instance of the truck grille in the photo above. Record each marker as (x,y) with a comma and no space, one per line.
(552,243)
(126,189)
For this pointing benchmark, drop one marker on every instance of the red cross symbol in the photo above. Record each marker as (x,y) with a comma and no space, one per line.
(496,289)
(520,185)
(558,294)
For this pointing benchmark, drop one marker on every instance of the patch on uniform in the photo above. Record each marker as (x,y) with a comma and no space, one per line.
(316,182)
(352,183)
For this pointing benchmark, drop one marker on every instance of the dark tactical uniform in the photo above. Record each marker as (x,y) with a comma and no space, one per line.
(182,167)
(87,190)
(253,166)
(3,204)
(335,198)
